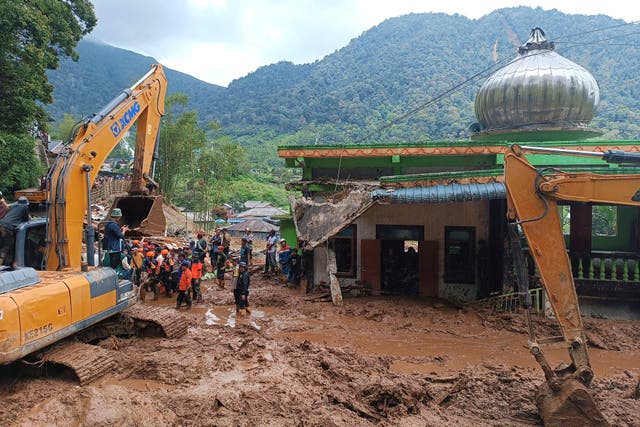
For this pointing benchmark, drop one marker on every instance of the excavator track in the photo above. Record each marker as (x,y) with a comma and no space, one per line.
(172,324)
(88,362)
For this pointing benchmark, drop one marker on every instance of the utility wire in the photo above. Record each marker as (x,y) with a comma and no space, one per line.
(582,33)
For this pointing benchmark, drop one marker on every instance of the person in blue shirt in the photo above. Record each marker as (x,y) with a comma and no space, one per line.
(244,251)
(114,238)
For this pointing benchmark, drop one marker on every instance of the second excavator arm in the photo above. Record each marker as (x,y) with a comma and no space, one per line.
(532,205)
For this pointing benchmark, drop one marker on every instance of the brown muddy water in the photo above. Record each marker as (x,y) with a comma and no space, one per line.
(441,343)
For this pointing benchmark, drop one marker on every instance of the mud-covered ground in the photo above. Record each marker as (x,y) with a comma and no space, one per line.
(293,362)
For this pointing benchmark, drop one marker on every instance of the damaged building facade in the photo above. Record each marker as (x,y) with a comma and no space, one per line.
(429,219)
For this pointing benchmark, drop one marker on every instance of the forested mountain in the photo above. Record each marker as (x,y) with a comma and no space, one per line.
(390,69)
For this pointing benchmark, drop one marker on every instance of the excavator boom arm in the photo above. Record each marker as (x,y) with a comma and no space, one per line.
(532,203)
(68,181)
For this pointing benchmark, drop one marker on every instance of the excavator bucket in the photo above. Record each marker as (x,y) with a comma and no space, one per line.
(143,214)
(570,406)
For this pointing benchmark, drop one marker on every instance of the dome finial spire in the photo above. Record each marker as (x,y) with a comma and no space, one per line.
(536,41)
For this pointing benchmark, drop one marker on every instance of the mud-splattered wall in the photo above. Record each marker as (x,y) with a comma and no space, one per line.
(434,218)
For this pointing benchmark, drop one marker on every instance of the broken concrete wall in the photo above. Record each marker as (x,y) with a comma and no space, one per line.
(320,274)
(317,220)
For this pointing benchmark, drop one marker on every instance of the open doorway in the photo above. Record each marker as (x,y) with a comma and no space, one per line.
(400,267)
(399,262)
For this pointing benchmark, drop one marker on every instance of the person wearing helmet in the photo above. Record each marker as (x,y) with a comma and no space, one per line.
(165,262)
(184,286)
(241,290)
(221,261)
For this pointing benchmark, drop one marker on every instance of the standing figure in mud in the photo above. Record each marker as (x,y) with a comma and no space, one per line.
(241,290)
(248,236)
(284,260)
(200,247)
(150,280)
(216,241)
(185,285)
(226,241)
(270,252)
(244,250)
(196,273)
(220,266)
(295,272)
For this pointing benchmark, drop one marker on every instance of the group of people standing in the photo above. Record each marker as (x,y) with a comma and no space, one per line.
(179,270)
(283,261)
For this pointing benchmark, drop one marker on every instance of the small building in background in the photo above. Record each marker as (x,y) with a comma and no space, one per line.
(261,212)
(259,228)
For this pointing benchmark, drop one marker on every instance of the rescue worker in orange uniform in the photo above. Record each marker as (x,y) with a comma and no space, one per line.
(196,275)
(184,286)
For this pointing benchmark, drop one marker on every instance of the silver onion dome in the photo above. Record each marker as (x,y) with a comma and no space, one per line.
(538,90)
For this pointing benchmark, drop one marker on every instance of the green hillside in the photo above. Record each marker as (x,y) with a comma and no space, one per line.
(388,70)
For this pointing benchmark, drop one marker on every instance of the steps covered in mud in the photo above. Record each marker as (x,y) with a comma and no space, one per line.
(87,361)
(172,324)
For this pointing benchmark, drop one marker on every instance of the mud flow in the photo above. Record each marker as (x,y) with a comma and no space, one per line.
(143,214)
(294,362)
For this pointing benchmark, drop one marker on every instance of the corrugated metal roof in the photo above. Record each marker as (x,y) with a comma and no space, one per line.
(443,193)
(261,212)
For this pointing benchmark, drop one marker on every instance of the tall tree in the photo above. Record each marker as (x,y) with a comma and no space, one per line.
(180,139)
(33,35)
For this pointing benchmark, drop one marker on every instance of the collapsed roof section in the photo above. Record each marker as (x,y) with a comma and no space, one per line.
(317,220)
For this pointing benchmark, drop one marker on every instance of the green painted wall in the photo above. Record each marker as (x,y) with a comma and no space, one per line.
(288,230)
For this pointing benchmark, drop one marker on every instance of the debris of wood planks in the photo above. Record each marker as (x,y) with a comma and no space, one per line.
(356,407)
(456,387)
(336,292)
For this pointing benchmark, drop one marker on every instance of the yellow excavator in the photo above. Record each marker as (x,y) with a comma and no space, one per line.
(71,295)
(532,205)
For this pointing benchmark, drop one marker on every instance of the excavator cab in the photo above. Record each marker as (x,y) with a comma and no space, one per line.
(142,214)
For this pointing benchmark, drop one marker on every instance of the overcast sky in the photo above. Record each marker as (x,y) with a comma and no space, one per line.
(221,40)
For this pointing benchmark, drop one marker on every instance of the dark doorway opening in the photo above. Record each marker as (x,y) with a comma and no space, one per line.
(399,259)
